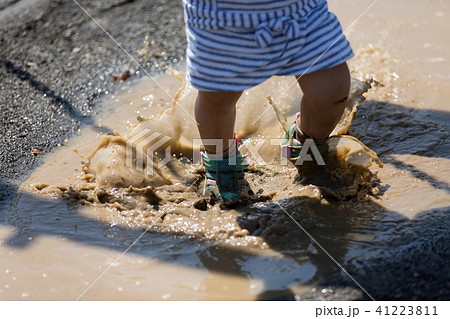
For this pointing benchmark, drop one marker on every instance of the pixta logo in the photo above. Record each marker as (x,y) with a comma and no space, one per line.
(257,149)
(307,149)
(148,151)
(141,151)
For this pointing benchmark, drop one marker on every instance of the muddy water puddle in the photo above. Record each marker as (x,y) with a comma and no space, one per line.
(75,216)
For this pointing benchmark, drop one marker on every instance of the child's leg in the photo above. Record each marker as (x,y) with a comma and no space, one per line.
(215,113)
(325,93)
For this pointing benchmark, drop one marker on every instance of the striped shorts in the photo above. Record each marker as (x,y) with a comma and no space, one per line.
(234,45)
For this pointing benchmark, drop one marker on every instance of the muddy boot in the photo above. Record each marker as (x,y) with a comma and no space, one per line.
(225,177)
(295,140)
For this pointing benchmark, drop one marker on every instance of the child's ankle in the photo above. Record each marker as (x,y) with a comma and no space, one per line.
(229,152)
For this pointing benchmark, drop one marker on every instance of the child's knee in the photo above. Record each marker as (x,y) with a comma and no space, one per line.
(327,87)
(328,96)
(341,100)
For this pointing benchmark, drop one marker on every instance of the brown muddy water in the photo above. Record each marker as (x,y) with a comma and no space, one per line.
(75,216)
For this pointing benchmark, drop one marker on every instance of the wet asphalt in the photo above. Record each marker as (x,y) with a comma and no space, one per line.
(55,65)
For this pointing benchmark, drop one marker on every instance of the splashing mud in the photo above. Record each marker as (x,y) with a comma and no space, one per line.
(122,182)
(124,175)
(139,181)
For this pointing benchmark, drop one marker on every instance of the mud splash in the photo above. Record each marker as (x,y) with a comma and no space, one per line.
(132,188)
(141,194)
(72,222)
(164,199)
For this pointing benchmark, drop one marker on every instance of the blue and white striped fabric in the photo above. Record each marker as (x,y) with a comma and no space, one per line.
(234,45)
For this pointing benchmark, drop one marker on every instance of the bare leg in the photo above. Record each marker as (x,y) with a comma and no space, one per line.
(325,94)
(215,113)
